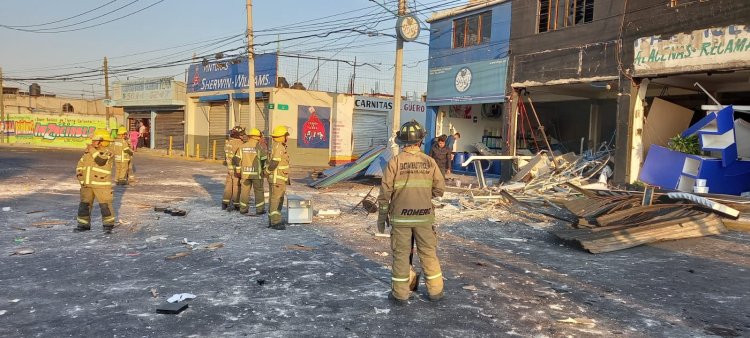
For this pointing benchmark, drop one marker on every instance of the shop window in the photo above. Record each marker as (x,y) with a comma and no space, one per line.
(67,108)
(472,30)
(557,14)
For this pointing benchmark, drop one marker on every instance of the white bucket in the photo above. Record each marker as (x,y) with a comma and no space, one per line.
(700,182)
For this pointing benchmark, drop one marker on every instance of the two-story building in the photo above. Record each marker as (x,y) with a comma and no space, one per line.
(468,63)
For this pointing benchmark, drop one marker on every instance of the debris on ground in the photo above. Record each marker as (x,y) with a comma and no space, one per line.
(47,224)
(23,251)
(329,213)
(578,321)
(179,255)
(7,209)
(178,297)
(154,293)
(214,246)
(171,308)
(300,247)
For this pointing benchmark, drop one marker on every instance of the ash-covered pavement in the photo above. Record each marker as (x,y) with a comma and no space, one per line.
(329,278)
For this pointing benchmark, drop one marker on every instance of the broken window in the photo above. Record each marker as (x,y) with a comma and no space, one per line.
(557,14)
(473,30)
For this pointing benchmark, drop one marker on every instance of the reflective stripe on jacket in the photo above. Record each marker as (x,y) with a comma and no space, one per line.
(91,174)
(281,157)
(251,155)
(121,149)
(231,147)
(410,181)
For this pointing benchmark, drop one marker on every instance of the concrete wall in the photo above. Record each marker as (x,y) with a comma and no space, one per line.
(294,98)
(571,53)
(22,104)
(196,123)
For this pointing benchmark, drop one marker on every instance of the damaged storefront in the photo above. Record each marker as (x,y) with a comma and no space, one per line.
(467,78)
(158,104)
(694,88)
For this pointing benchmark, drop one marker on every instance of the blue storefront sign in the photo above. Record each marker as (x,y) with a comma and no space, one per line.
(470,83)
(229,75)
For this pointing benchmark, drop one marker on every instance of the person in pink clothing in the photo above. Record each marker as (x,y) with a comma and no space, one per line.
(133,139)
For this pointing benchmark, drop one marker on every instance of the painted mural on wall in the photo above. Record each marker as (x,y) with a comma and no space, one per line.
(69,131)
(314,127)
(712,48)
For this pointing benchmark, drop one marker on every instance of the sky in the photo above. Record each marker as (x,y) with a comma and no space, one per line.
(44,39)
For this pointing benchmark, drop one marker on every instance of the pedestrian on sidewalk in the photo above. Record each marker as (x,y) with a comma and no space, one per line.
(122,152)
(133,134)
(442,156)
(142,134)
(410,181)
(252,158)
(277,170)
(94,172)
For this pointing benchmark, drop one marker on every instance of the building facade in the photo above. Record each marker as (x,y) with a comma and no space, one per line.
(157,103)
(595,67)
(468,63)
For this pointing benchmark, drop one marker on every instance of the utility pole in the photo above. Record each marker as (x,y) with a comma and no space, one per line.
(2,107)
(250,63)
(396,111)
(106,89)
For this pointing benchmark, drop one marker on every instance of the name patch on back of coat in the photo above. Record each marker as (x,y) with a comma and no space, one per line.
(414,167)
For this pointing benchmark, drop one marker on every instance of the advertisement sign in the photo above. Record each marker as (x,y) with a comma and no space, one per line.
(145,92)
(477,82)
(231,74)
(314,127)
(705,49)
(69,131)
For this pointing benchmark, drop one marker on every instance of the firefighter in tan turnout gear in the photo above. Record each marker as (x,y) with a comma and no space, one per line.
(252,158)
(277,170)
(410,181)
(231,199)
(94,171)
(123,155)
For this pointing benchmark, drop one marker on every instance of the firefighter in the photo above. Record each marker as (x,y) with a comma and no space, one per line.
(121,150)
(94,171)
(230,200)
(252,158)
(277,170)
(410,181)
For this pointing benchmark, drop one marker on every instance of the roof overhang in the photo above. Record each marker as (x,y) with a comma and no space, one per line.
(471,6)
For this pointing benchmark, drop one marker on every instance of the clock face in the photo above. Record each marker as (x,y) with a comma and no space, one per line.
(463,80)
(408,28)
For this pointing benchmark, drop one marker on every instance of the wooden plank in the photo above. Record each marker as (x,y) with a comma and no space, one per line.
(737,225)
(623,239)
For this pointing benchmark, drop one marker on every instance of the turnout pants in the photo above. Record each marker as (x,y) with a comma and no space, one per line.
(104,196)
(256,185)
(402,273)
(231,191)
(122,171)
(276,202)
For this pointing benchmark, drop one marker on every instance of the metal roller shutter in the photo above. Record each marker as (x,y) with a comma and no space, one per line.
(170,124)
(370,129)
(218,126)
(261,115)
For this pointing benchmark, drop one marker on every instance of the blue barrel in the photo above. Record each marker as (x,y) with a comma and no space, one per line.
(495,169)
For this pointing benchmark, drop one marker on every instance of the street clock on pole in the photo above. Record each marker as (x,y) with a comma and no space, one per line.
(408,27)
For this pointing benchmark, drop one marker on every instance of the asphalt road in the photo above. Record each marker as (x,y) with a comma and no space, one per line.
(329,278)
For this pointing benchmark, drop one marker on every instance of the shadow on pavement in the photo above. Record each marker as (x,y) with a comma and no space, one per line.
(213,187)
